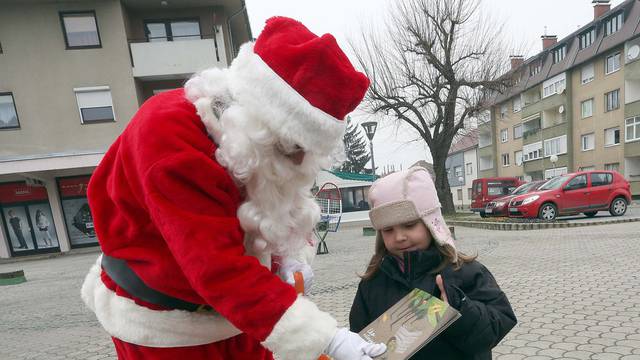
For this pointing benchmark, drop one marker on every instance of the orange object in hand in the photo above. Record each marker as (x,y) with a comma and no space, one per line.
(298,284)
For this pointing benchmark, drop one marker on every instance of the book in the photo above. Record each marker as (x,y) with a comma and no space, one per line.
(410,324)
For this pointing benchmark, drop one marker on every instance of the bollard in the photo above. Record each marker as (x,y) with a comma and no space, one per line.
(12,278)
(368,231)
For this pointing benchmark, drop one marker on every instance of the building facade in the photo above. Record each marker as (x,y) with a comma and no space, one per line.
(574,106)
(462,168)
(72,74)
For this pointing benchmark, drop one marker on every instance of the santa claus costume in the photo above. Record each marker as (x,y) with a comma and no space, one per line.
(206,184)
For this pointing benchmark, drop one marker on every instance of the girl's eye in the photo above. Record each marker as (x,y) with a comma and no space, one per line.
(410,225)
(387,230)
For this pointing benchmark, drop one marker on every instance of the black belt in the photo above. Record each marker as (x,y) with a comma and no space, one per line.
(120,272)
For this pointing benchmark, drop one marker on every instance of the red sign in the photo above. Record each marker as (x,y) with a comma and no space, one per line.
(74,186)
(20,192)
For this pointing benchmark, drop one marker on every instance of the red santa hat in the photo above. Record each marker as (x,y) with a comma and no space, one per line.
(300,85)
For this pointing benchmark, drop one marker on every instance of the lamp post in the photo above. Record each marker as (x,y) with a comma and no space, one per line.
(370,130)
(461,180)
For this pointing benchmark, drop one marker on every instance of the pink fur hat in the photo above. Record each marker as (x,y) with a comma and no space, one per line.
(406,196)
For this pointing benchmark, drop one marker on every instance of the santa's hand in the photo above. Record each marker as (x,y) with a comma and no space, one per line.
(347,345)
(289,267)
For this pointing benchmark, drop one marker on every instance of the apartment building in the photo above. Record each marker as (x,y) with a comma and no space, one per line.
(462,168)
(72,74)
(573,106)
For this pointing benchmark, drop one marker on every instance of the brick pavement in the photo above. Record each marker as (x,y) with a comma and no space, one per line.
(575,291)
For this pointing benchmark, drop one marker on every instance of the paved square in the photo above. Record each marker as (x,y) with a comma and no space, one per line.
(576,293)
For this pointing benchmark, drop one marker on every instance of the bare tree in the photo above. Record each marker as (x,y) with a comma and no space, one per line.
(432,67)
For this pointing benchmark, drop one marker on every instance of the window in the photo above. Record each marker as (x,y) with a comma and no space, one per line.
(612,64)
(503,111)
(535,67)
(517,131)
(551,173)
(517,105)
(632,128)
(587,37)
(587,108)
(587,168)
(80,30)
(459,194)
(601,179)
(504,135)
(518,157)
(8,113)
(612,167)
(95,104)
(555,146)
(532,151)
(613,24)
(588,142)
(172,30)
(469,168)
(559,53)
(587,73)
(355,199)
(505,159)
(553,86)
(612,100)
(611,136)
(578,182)
(457,171)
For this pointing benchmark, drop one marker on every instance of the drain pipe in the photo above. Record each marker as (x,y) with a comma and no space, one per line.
(241,10)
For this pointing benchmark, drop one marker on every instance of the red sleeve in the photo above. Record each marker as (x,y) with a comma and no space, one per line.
(188,198)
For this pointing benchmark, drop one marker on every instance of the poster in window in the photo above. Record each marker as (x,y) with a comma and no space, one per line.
(18,229)
(44,229)
(77,214)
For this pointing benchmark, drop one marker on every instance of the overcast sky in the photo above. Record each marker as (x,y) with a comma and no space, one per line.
(524,22)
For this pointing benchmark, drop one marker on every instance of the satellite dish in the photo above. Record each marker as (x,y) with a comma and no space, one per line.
(561,89)
(561,109)
(633,52)
(553,159)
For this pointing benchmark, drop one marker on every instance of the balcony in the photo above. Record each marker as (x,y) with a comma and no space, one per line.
(165,60)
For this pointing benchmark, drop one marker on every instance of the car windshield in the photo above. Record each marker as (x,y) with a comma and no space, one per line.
(524,188)
(554,183)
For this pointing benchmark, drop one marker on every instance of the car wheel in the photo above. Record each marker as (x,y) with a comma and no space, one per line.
(483,214)
(548,212)
(618,207)
(590,213)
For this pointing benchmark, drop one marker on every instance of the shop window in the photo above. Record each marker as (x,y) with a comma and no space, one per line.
(77,215)
(355,199)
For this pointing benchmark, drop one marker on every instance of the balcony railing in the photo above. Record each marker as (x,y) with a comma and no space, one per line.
(530,132)
(178,58)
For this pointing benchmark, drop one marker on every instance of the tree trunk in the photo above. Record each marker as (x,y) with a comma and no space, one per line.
(442,182)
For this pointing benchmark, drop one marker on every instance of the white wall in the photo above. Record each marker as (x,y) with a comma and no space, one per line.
(470,156)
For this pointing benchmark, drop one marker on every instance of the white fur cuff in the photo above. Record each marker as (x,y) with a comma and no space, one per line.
(303,332)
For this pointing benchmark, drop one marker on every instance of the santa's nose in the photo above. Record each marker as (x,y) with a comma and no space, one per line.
(297,157)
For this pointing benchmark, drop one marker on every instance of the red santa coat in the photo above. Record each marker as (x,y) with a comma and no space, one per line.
(161,202)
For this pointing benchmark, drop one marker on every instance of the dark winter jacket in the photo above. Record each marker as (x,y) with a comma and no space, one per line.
(486,313)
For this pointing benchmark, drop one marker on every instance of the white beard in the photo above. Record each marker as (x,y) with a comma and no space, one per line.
(280,211)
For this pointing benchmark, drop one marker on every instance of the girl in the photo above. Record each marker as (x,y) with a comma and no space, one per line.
(414,249)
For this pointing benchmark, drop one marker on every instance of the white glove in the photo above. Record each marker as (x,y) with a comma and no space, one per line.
(347,345)
(290,266)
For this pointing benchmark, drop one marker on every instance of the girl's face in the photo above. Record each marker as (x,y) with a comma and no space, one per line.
(408,236)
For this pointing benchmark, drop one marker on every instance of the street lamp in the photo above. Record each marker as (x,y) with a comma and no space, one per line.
(370,130)
(461,180)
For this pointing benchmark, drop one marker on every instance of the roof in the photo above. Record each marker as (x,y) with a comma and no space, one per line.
(466,142)
(352,176)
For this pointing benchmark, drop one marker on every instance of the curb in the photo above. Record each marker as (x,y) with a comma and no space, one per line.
(534,226)
(79,251)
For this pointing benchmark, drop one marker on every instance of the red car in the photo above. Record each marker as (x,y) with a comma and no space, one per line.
(487,189)
(582,192)
(500,206)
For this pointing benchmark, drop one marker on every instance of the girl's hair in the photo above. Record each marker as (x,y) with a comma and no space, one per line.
(447,251)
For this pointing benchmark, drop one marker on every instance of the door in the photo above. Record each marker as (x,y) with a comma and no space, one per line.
(575,195)
(599,190)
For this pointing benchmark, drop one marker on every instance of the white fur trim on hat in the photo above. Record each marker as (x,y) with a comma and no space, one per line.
(303,332)
(260,90)
(124,319)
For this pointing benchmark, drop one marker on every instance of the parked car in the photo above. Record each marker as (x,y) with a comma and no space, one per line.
(500,206)
(582,192)
(487,189)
